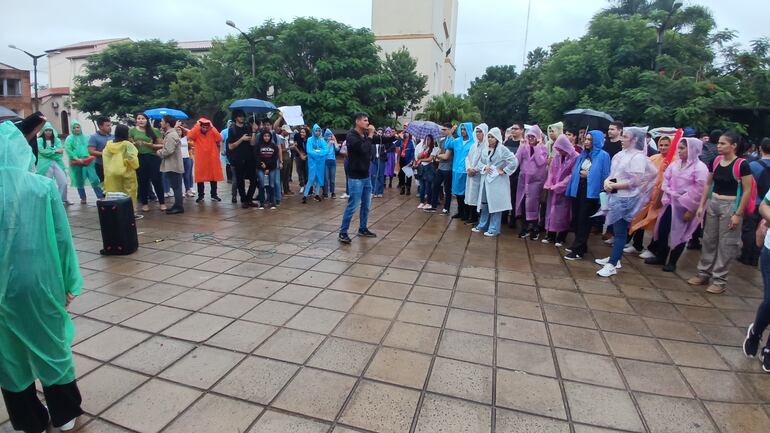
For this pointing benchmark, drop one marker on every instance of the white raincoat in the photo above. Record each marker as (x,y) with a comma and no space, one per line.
(496,191)
(473,183)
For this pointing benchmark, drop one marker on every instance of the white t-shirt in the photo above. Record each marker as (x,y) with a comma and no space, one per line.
(625,165)
(185,148)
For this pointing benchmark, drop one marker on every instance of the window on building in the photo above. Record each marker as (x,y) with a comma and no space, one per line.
(11,87)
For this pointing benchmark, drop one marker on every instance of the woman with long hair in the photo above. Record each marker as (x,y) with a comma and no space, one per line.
(423,164)
(300,156)
(559,206)
(121,162)
(147,141)
(50,163)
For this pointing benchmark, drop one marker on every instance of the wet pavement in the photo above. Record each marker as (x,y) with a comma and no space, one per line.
(233,320)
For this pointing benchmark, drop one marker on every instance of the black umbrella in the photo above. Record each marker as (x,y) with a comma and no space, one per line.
(8,114)
(587,118)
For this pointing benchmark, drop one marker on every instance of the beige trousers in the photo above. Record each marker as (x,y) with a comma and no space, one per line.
(720,245)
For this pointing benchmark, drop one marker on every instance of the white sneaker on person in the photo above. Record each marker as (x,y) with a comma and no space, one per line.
(605,261)
(69,426)
(559,245)
(343,196)
(607,271)
(609,241)
(490,234)
(629,249)
(646,254)
(302,190)
(475,230)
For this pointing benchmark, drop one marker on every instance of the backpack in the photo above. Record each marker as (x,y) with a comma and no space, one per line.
(751,206)
(763,183)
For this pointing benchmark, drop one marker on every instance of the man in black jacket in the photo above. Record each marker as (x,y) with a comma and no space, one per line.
(359,145)
(381,145)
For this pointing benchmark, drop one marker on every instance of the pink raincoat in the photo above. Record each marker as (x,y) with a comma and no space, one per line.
(559,214)
(533,170)
(683,184)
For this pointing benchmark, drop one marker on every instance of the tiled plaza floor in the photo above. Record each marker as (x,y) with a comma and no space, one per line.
(232,320)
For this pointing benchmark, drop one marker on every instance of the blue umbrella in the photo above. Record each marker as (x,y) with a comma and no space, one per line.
(157,113)
(253,105)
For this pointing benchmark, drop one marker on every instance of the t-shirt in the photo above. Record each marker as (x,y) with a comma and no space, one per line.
(267,153)
(185,147)
(98,141)
(758,167)
(444,165)
(613,147)
(724,178)
(136,135)
(244,150)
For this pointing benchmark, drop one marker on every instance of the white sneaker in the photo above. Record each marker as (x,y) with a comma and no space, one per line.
(609,241)
(607,271)
(475,230)
(559,245)
(302,190)
(344,196)
(629,249)
(69,426)
(605,261)
(646,254)
(490,235)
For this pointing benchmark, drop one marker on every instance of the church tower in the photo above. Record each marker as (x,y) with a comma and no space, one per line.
(427,28)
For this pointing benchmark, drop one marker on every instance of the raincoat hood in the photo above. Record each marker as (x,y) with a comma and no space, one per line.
(562,143)
(557,127)
(694,149)
(15,152)
(328,133)
(468,127)
(72,127)
(495,132)
(535,132)
(79,139)
(484,129)
(640,137)
(116,147)
(597,141)
(49,126)
(388,131)
(313,141)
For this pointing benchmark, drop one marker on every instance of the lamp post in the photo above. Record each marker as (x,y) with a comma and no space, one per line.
(252,45)
(34,67)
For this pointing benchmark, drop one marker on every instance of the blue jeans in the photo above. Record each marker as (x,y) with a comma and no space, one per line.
(427,173)
(489,222)
(269,187)
(98,191)
(360,192)
(187,177)
(330,171)
(378,175)
(620,229)
(442,177)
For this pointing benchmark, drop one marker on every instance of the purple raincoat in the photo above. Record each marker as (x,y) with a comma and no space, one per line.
(390,165)
(682,187)
(533,171)
(559,213)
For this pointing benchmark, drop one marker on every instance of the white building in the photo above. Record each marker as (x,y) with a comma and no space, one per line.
(428,29)
(68,62)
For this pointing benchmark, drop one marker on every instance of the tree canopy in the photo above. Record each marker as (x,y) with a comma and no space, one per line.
(448,108)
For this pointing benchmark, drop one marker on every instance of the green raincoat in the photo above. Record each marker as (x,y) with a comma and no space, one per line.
(46,155)
(39,268)
(76,147)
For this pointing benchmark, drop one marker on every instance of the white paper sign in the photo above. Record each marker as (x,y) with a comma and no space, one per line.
(292,114)
(408,171)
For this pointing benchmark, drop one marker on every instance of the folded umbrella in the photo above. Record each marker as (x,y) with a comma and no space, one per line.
(422,128)
(157,113)
(253,105)
(588,118)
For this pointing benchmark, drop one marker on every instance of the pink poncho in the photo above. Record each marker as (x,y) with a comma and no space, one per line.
(683,184)
(559,213)
(533,171)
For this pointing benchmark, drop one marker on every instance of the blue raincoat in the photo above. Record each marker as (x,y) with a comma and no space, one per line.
(328,134)
(460,149)
(317,150)
(600,168)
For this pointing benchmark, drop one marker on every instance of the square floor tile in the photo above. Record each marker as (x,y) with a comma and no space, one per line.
(470,321)
(315,279)
(568,316)
(413,337)
(154,355)
(529,393)
(282,274)
(335,300)
(253,270)
(377,307)
(430,295)
(259,288)
(315,320)
(654,378)
(331,266)
(256,379)
(86,328)
(273,422)
(399,275)
(602,406)
(296,294)
(466,347)
(673,415)
(474,301)
(444,414)
(110,343)
(388,289)
(272,312)
(156,318)
(105,385)
(352,284)
(399,367)
(673,330)
(202,367)
(362,328)
(289,345)
(422,314)
(198,327)
(530,358)
(742,418)
(159,273)
(157,293)
(223,283)
(519,308)
(343,356)
(717,385)
(569,337)
(589,368)
(118,311)
(694,355)
(231,306)
(215,413)
(193,299)
(461,379)
(635,347)
(364,271)
(152,406)
(624,323)
(514,422)
(316,393)
(442,281)
(242,336)
(521,329)
(89,301)
(381,408)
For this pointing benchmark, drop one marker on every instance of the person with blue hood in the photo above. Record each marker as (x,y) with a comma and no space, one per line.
(41,277)
(588,175)
(317,149)
(330,167)
(460,147)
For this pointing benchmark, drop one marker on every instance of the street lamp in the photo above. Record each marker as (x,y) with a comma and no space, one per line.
(34,67)
(252,44)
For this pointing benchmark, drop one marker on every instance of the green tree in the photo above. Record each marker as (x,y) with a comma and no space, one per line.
(450,108)
(130,76)
(410,86)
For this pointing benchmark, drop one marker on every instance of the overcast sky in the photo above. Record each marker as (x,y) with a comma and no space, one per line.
(490,32)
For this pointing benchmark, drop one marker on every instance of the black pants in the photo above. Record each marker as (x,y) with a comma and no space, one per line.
(637,240)
(558,237)
(148,174)
(301,171)
(442,177)
(243,171)
(660,247)
(202,185)
(582,209)
(750,251)
(286,172)
(403,180)
(99,171)
(510,216)
(763,312)
(28,414)
(175,182)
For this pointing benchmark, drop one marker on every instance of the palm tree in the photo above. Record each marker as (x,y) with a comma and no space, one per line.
(450,108)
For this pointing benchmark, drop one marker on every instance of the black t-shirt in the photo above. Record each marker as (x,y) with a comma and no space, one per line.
(724,178)
(612,147)
(513,146)
(244,151)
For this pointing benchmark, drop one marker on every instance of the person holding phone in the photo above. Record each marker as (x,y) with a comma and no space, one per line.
(240,152)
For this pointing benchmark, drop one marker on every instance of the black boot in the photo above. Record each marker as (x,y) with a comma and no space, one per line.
(403,190)
(408,190)
(390,182)
(673,258)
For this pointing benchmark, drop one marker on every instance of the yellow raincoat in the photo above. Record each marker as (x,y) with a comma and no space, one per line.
(39,268)
(120,163)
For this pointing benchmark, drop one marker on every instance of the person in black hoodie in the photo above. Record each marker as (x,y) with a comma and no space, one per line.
(30,127)
(381,145)
(359,146)
(240,152)
(268,170)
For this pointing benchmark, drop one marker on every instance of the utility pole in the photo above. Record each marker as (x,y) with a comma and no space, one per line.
(34,67)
